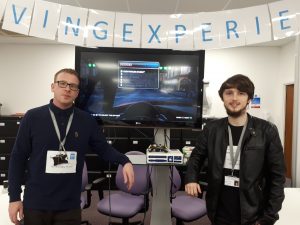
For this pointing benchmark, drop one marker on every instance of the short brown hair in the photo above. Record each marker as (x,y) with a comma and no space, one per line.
(240,82)
(67,70)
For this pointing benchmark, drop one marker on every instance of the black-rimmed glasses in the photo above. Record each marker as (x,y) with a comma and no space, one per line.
(64,84)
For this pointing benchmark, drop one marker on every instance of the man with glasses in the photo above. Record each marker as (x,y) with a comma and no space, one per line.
(51,145)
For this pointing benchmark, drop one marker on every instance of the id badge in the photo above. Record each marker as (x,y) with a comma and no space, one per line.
(232,181)
(61,162)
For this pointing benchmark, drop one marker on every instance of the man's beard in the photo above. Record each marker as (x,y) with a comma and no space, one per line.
(236,114)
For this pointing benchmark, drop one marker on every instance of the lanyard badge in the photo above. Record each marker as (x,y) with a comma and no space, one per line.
(61,161)
(61,142)
(232,180)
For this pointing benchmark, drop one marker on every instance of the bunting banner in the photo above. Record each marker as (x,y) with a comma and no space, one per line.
(204,30)
(17,16)
(206,35)
(180,33)
(41,25)
(72,25)
(100,28)
(257,24)
(283,16)
(127,31)
(155,31)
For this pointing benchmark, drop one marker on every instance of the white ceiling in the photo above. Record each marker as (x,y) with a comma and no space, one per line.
(163,6)
(146,7)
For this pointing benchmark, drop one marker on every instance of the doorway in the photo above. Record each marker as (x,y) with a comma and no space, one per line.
(288,130)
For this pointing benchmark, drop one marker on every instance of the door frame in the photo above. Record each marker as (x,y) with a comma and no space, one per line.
(288,129)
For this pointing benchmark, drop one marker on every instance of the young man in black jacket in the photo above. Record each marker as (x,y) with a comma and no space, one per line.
(246,171)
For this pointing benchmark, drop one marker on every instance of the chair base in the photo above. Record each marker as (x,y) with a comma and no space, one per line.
(179,222)
(126,222)
(85,222)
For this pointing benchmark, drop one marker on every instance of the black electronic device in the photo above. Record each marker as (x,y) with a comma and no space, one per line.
(141,87)
(157,148)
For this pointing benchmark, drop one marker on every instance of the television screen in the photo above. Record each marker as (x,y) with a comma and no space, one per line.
(141,87)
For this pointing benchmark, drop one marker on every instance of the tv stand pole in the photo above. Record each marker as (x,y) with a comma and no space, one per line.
(161,208)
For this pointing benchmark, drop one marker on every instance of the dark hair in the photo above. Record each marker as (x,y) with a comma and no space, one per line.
(67,70)
(240,82)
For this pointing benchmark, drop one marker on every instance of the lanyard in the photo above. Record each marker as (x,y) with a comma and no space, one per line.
(235,157)
(61,142)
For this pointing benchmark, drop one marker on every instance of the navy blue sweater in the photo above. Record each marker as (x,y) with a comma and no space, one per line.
(45,191)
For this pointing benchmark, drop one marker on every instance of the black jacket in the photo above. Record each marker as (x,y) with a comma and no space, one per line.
(262,169)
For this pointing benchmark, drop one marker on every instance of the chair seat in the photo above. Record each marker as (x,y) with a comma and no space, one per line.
(123,205)
(193,209)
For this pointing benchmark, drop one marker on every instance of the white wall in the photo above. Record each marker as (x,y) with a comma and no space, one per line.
(262,65)
(26,73)
(287,61)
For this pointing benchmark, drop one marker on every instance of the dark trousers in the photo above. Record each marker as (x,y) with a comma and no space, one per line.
(36,217)
(221,221)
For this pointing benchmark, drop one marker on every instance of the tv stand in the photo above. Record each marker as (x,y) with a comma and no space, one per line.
(161,208)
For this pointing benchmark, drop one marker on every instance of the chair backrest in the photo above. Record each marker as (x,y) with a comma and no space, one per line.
(141,177)
(84,177)
(175,179)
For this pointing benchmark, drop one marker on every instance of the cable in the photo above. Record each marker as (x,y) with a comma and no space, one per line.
(172,183)
(226,5)
(176,7)
(78,3)
(147,192)
(155,134)
(141,132)
(109,188)
(151,140)
(168,137)
(165,139)
(128,6)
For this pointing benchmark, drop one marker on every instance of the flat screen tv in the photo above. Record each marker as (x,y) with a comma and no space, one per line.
(141,87)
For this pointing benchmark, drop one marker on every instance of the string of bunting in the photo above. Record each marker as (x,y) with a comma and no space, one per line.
(204,30)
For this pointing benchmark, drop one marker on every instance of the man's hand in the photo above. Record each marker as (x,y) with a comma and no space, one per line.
(193,189)
(128,175)
(15,210)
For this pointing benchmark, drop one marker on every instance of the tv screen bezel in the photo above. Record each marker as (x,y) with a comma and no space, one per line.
(196,124)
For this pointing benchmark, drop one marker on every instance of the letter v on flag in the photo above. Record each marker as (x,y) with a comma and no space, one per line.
(17,16)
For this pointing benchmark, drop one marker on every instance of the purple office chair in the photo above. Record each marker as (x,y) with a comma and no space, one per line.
(126,204)
(185,208)
(85,192)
